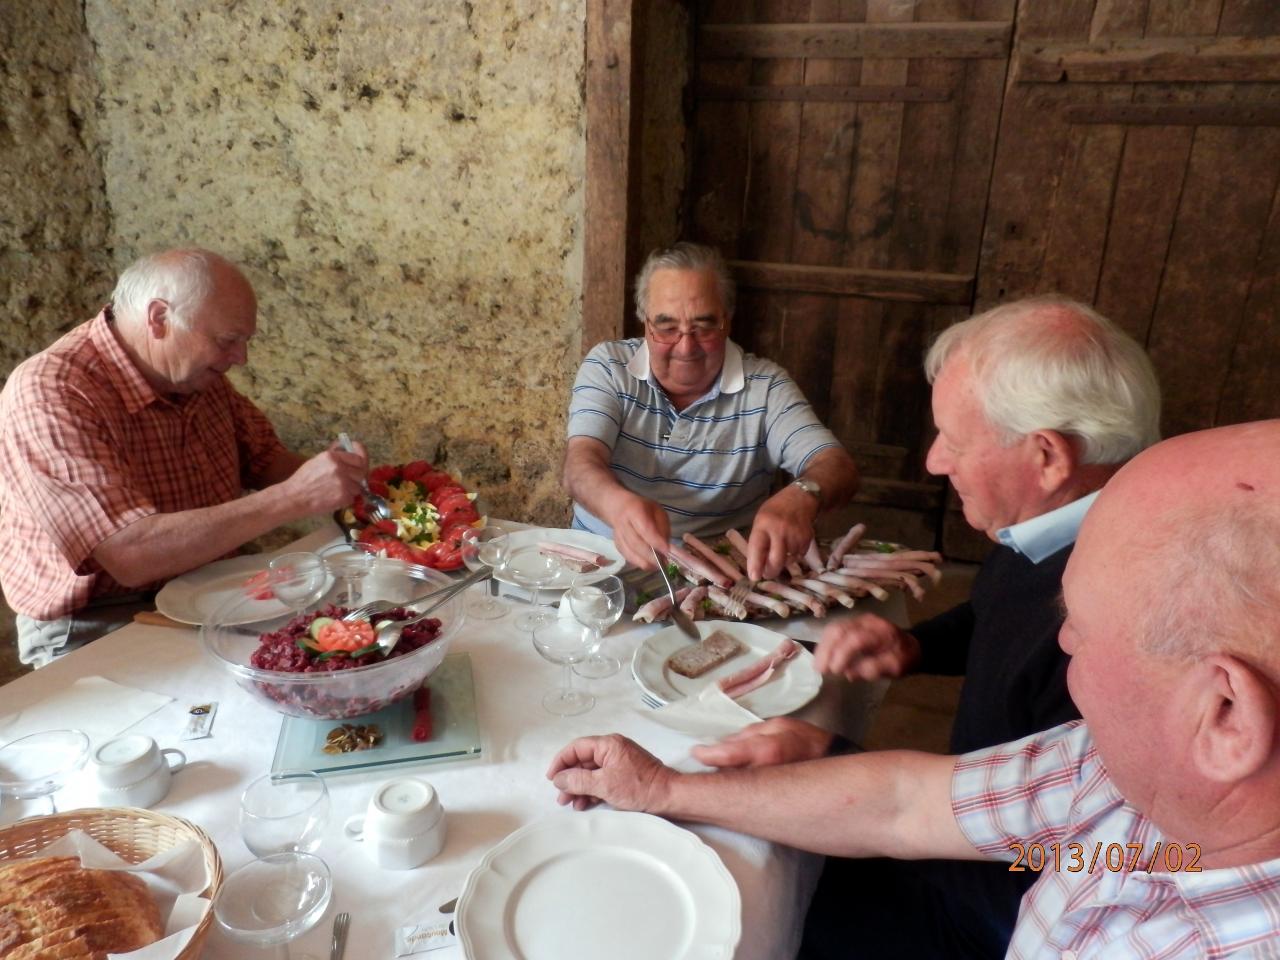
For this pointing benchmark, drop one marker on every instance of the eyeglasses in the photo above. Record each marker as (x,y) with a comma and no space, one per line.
(666,330)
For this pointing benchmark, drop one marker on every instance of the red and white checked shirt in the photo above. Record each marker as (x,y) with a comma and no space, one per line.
(1051,788)
(87,447)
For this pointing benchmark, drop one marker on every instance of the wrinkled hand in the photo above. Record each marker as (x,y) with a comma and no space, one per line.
(782,528)
(639,524)
(866,648)
(329,480)
(612,770)
(779,740)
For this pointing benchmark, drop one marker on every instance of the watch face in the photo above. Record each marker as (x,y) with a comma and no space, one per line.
(809,487)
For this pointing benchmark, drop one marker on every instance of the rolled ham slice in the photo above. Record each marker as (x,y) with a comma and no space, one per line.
(699,567)
(691,605)
(845,544)
(724,606)
(658,607)
(792,595)
(719,561)
(855,583)
(572,553)
(813,557)
(759,673)
(771,604)
(828,591)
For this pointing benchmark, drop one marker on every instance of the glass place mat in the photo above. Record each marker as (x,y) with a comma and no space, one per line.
(455,730)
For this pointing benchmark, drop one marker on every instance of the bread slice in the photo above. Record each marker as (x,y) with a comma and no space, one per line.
(707,654)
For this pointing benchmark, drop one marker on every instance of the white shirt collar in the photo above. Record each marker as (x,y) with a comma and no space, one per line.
(1045,535)
(732,377)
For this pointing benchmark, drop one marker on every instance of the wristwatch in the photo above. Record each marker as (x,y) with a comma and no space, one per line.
(809,487)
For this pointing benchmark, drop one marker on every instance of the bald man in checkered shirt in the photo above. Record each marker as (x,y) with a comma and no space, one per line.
(1154,822)
(125,451)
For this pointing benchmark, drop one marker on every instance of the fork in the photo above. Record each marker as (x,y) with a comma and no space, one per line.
(340,924)
(738,596)
(680,618)
(378,508)
(651,701)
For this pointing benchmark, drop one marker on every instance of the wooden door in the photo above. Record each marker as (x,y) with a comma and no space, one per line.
(841,152)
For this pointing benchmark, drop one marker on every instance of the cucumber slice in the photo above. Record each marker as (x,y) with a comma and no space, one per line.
(318,624)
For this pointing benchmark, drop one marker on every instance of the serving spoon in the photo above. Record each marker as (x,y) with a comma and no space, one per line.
(377,507)
(387,632)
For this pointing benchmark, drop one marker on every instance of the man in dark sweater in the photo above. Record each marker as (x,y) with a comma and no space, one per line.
(1037,403)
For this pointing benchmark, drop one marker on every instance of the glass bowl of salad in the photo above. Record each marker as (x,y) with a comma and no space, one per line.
(313,664)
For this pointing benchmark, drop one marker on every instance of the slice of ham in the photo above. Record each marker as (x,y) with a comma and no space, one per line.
(855,583)
(887,568)
(572,553)
(828,591)
(771,604)
(691,605)
(813,557)
(724,606)
(698,567)
(721,562)
(845,544)
(792,595)
(658,607)
(759,673)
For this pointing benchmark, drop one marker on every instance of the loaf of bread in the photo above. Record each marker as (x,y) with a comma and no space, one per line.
(707,654)
(51,908)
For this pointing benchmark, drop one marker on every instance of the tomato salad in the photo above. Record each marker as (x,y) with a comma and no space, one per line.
(431,512)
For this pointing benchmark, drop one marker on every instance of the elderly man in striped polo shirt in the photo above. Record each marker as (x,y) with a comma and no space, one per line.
(682,432)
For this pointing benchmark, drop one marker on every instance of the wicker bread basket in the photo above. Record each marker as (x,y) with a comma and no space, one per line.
(133,834)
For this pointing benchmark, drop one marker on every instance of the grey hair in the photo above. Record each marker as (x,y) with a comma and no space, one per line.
(181,278)
(1051,363)
(685,256)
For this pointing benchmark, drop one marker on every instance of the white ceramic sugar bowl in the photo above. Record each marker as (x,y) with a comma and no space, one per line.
(132,771)
(404,825)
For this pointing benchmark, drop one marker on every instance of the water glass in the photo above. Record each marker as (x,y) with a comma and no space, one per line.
(298,579)
(284,812)
(533,570)
(35,767)
(272,901)
(350,563)
(565,642)
(485,548)
(596,602)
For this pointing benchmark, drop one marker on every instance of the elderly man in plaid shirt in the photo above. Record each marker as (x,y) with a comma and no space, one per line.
(126,452)
(1154,823)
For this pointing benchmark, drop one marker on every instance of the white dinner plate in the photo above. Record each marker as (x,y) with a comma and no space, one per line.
(520,540)
(794,684)
(191,597)
(603,884)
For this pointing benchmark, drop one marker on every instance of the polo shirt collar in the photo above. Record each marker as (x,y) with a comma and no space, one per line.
(1045,535)
(732,377)
(125,376)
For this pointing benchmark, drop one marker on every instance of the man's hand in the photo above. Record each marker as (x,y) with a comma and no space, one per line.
(782,529)
(639,524)
(779,740)
(611,770)
(328,480)
(866,648)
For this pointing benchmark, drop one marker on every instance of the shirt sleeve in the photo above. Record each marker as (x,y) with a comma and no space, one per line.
(1020,792)
(595,406)
(793,432)
(256,440)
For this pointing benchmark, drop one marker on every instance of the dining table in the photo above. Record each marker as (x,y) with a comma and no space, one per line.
(485,797)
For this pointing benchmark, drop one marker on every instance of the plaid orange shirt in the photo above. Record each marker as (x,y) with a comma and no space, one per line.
(87,447)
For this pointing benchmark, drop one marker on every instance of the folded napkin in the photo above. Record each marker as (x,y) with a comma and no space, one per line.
(99,707)
(710,714)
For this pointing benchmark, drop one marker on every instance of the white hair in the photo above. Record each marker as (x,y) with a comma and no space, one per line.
(181,278)
(685,256)
(1051,363)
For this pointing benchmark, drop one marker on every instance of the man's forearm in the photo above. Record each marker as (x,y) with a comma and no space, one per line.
(834,471)
(589,480)
(893,803)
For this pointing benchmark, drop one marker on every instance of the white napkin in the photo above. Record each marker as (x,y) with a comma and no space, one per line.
(99,707)
(710,714)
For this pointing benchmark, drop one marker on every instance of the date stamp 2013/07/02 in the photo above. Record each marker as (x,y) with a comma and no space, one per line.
(1111,857)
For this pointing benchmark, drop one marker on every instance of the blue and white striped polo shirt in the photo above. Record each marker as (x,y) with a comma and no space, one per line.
(711,464)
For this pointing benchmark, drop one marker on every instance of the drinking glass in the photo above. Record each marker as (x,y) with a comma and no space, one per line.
(272,901)
(532,570)
(351,563)
(298,579)
(284,812)
(486,547)
(597,603)
(35,767)
(565,642)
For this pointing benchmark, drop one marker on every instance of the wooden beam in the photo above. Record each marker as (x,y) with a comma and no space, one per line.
(906,494)
(825,93)
(910,285)
(1233,113)
(612,117)
(975,40)
(1163,60)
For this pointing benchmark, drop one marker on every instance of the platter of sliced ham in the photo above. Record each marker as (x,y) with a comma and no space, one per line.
(580,554)
(773,676)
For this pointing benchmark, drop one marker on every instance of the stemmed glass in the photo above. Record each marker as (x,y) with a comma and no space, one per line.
(272,901)
(565,642)
(284,812)
(37,766)
(351,562)
(597,603)
(533,570)
(298,579)
(486,547)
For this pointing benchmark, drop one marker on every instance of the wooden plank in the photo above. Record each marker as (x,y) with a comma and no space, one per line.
(913,286)
(1249,18)
(912,495)
(862,40)
(1161,60)
(1182,18)
(1220,114)
(825,93)
(1118,18)
(611,125)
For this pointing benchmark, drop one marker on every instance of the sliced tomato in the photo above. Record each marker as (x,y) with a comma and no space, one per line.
(383,475)
(445,491)
(416,470)
(442,557)
(347,635)
(458,515)
(453,502)
(258,587)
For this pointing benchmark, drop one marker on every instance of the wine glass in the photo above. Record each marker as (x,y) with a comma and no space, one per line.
(298,579)
(351,562)
(274,900)
(597,603)
(565,642)
(35,767)
(533,570)
(284,812)
(485,547)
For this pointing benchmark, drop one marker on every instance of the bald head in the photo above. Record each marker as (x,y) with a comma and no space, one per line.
(183,278)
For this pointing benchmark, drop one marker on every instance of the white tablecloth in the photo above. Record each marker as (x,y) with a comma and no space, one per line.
(484,799)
